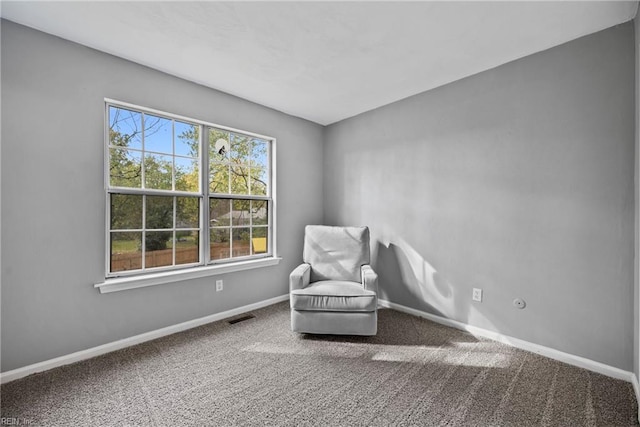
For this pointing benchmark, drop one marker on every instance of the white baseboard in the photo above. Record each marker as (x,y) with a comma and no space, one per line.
(551,353)
(571,359)
(127,342)
(636,388)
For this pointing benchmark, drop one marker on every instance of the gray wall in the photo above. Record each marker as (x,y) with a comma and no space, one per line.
(53,203)
(519,181)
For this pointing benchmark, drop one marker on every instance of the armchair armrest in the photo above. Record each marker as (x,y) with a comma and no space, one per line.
(299,277)
(369,278)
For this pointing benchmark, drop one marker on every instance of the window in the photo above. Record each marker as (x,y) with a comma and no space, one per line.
(172,204)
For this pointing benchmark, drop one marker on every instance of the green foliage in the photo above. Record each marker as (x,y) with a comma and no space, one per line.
(123,245)
(240,169)
(157,240)
(126,171)
(126,212)
(126,156)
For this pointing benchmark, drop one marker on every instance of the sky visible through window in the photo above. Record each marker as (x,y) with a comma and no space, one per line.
(163,229)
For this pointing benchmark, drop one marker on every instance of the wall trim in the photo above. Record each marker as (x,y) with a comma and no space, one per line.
(132,282)
(636,388)
(128,342)
(551,353)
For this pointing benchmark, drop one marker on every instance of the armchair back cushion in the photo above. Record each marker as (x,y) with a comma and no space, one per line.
(336,253)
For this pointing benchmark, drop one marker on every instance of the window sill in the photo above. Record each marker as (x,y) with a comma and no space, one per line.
(132,282)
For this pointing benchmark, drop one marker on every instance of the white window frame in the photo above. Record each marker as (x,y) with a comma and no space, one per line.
(122,280)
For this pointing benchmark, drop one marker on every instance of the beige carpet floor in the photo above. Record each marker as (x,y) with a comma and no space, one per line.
(257,372)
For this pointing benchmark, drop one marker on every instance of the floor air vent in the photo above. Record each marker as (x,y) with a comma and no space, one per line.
(240,319)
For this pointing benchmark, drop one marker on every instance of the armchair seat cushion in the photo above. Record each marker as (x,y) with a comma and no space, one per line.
(334,295)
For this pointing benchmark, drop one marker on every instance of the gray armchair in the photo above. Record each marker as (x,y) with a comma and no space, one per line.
(335,290)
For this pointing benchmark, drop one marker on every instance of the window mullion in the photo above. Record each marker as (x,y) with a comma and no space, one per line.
(108,240)
(251,240)
(173,159)
(174,243)
(204,205)
(151,192)
(238,196)
(250,222)
(271,192)
(144,232)
(143,118)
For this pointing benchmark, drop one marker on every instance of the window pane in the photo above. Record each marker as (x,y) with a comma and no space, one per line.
(159,212)
(126,212)
(220,243)
(125,128)
(157,171)
(240,149)
(259,212)
(241,241)
(187,244)
(158,134)
(241,212)
(259,181)
(219,146)
(239,180)
(161,228)
(219,179)
(259,153)
(187,212)
(187,139)
(259,240)
(126,251)
(159,248)
(125,168)
(187,176)
(219,212)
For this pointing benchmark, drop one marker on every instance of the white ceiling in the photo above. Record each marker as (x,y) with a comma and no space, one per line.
(323,61)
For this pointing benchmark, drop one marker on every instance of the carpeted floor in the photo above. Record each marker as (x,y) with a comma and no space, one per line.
(257,372)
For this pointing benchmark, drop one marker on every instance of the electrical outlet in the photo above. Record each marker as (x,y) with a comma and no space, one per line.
(219,285)
(477,294)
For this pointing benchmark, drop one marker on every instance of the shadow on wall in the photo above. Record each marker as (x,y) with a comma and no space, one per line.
(407,279)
